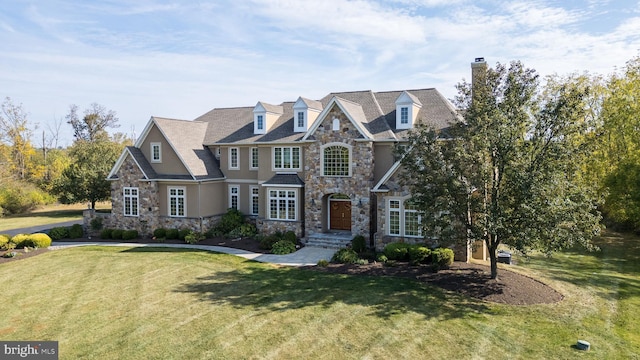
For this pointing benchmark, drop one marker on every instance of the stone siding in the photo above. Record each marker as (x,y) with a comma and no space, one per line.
(268,227)
(318,188)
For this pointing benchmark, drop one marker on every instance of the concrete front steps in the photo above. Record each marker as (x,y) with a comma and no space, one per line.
(330,240)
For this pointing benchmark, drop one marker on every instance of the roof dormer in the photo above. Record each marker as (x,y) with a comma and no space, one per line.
(305,112)
(407,107)
(264,116)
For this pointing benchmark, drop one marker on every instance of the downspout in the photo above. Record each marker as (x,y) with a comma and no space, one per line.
(199,208)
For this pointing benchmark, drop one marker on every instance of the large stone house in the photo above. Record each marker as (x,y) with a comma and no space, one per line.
(324,169)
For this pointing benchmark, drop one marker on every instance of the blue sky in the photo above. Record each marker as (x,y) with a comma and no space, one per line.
(180,59)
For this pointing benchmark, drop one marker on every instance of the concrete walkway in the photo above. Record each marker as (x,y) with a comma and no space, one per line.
(307,256)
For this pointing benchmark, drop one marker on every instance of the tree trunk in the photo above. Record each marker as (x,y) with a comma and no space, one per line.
(93,204)
(494,262)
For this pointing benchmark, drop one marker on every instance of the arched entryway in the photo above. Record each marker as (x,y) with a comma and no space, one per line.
(339,212)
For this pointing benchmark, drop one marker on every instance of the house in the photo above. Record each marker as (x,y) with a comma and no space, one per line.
(324,169)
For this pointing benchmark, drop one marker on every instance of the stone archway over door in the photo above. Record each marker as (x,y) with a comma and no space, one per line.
(339,214)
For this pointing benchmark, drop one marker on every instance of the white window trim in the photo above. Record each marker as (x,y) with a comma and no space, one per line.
(252,197)
(232,195)
(281,169)
(159,145)
(402,212)
(404,123)
(251,167)
(323,147)
(296,203)
(124,201)
(298,127)
(231,167)
(184,196)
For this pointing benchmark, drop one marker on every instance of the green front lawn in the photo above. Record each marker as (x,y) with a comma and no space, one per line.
(145,303)
(48,214)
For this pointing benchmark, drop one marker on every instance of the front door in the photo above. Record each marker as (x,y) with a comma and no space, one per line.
(340,215)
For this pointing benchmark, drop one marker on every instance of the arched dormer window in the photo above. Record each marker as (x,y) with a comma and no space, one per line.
(336,160)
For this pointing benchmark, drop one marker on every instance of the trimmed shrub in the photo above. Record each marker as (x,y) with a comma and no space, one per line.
(290,236)
(60,232)
(232,219)
(106,233)
(382,258)
(345,256)
(283,247)
(160,233)
(359,244)
(442,258)
(397,251)
(20,240)
(75,231)
(267,242)
(96,223)
(39,240)
(419,254)
(116,234)
(173,234)
(4,239)
(323,263)
(248,230)
(129,234)
(183,233)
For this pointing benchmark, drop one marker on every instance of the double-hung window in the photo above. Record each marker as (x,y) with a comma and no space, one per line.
(283,204)
(255,200)
(253,158)
(286,158)
(234,197)
(260,122)
(177,201)
(300,119)
(234,158)
(130,197)
(156,152)
(404,115)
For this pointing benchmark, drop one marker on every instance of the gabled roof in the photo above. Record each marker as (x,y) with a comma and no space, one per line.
(274,109)
(310,104)
(353,111)
(138,158)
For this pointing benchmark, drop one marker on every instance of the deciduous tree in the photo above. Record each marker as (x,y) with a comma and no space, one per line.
(507,174)
(93,125)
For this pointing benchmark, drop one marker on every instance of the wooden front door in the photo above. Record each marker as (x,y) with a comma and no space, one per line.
(340,215)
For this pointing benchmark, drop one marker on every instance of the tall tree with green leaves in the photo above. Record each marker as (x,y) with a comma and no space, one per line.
(508,173)
(16,134)
(84,180)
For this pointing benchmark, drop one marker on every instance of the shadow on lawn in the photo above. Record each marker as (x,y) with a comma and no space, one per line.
(278,289)
(613,271)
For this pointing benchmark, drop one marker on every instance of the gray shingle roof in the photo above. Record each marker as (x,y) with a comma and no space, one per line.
(142,161)
(187,139)
(312,104)
(376,112)
(285,179)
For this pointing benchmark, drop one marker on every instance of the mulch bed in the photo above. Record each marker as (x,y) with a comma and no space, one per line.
(472,280)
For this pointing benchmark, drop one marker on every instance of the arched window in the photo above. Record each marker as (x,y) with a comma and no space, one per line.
(336,160)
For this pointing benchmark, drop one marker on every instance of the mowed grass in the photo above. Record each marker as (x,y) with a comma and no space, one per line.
(146,303)
(48,214)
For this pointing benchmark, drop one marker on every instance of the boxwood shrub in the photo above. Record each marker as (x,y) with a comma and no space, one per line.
(419,254)
(160,233)
(58,233)
(442,258)
(283,247)
(173,234)
(345,256)
(106,233)
(358,244)
(129,234)
(397,251)
(116,234)
(75,231)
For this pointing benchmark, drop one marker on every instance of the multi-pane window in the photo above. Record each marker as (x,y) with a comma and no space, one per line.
(404,115)
(234,161)
(255,200)
(253,161)
(404,218)
(286,158)
(282,204)
(394,217)
(300,119)
(156,152)
(234,197)
(130,197)
(177,201)
(260,122)
(335,161)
